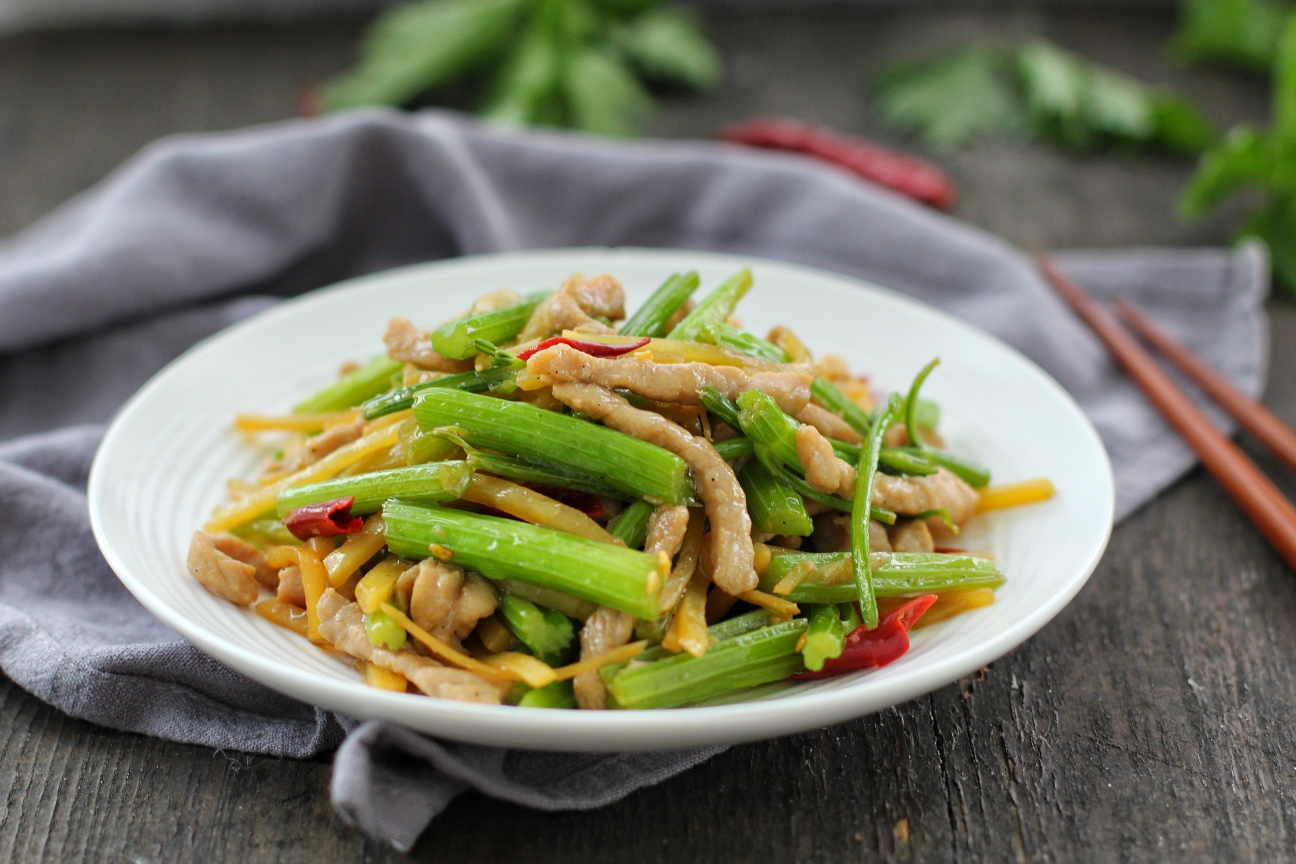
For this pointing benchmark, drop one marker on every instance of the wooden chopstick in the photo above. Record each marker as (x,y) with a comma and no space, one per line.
(1254,417)
(1263,504)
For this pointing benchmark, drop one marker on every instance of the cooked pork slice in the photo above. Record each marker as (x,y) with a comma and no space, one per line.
(668,382)
(666,529)
(495,301)
(832,534)
(898,436)
(220,572)
(940,491)
(290,588)
(448,602)
(823,470)
(829,424)
(604,630)
(342,623)
(717,486)
(910,535)
(408,344)
(241,550)
(572,306)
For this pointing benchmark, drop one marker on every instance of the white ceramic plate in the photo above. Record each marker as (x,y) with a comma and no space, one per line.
(164,462)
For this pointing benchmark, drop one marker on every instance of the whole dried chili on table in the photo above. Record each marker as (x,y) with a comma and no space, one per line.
(897,171)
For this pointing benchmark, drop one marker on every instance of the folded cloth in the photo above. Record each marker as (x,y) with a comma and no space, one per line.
(107,289)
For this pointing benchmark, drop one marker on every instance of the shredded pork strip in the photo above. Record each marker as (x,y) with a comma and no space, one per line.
(408,344)
(572,306)
(717,486)
(829,424)
(910,535)
(943,490)
(823,470)
(448,602)
(228,567)
(316,447)
(291,590)
(668,382)
(666,529)
(604,630)
(342,623)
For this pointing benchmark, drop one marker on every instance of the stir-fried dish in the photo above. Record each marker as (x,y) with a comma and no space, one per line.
(548,504)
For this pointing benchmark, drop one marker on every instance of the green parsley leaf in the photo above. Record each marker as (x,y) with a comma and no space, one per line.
(952,99)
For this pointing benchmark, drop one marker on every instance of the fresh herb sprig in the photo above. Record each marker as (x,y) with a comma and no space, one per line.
(571,63)
(1038,88)
(1262,160)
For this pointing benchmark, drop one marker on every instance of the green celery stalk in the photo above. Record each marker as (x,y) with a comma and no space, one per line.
(720,405)
(456,339)
(734,447)
(376,376)
(532,471)
(559,694)
(715,307)
(764,422)
(861,563)
(973,474)
(266,532)
(737,339)
(402,398)
(718,632)
(572,607)
(631,525)
(547,632)
(825,637)
(797,484)
(764,655)
(430,484)
(498,548)
(894,573)
(830,398)
(651,317)
(774,507)
(638,469)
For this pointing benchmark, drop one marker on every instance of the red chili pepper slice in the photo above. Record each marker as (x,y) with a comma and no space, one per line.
(594,349)
(896,171)
(326,519)
(867,649)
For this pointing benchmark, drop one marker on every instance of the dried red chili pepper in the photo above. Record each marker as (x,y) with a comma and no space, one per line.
(594,349)
(886,643)
(326,519)
(898,172)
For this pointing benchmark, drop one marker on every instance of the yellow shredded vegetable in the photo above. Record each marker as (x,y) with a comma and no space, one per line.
(382,679)
(378,584)
(243,510)
(1015,494)
(283,615)
(358,548)
(531,506)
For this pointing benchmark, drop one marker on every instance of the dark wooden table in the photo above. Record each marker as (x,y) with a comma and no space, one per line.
(1152,720)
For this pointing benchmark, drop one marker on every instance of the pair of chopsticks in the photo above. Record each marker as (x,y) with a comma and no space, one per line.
(1263,504)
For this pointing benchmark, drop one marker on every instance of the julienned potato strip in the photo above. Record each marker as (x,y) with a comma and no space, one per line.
(508,549)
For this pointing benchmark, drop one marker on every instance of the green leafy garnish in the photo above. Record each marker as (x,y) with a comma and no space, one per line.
(1235,32)
(571,63)
(952,99)
(1262,160)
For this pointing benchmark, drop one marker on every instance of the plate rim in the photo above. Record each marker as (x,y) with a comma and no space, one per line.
(601,731)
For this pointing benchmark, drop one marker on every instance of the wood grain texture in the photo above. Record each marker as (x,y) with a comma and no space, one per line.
(1150,721)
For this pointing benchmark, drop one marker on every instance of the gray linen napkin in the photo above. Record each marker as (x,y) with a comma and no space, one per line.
(103,292)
